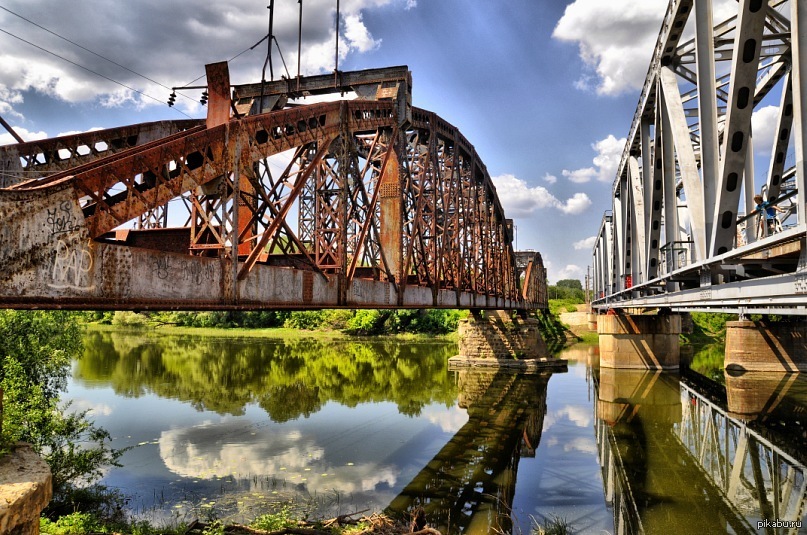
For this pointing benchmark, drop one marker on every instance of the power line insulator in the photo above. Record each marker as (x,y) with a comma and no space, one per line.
(172,98)
(203,100)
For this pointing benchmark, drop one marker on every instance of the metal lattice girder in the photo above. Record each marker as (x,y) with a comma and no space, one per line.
(36,159)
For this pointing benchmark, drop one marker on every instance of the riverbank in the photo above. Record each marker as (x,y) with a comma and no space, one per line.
(274,333)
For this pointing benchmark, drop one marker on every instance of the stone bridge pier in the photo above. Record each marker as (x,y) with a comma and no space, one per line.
(638,341)
(498,339)
(764,346)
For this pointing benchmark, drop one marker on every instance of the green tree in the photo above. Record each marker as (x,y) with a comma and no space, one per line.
(574,284)
(35,352)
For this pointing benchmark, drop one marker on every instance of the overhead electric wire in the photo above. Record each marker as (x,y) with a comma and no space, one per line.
(232,58)
(90,51)
(88,69)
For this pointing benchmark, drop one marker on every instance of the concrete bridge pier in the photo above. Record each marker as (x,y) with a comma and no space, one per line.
(641,342)
(497,339)
(766,346)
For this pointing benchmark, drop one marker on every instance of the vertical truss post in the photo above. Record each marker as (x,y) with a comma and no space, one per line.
(638,207)
(670,197)
(656,171)
(798,43)
(707,107)
(619,236)
(779,151)
(748,186)
(391,208)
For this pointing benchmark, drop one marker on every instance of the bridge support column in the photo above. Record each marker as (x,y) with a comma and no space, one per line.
(498,340)
(639,342)
(25,489)
(764,346)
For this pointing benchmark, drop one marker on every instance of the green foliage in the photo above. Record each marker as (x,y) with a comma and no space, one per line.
(35,349)
(434,321)
(708,361)
(78,523)
(72,524)
(367,322)
(710,325)
(214,528)
(275,521)
(552,331)
(574,284)
(129,319)
(308,320)
(569,289)
(558,306)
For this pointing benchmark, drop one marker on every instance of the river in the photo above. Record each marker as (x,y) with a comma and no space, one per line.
(226,427)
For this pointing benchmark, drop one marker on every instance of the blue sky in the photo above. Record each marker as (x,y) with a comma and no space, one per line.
(545,90)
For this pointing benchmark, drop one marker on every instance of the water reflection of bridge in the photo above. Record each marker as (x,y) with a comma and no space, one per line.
(676,456)
(468,487)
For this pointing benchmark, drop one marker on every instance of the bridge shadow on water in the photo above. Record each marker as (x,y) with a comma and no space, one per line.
(469,486)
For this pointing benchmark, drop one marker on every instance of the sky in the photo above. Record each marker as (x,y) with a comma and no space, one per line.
(544,89)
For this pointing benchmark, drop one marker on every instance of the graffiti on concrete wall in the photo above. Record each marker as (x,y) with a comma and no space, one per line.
(71,267)
(193,270)
(63,219)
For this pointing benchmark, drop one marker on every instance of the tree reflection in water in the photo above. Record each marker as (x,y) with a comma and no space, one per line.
(287,379)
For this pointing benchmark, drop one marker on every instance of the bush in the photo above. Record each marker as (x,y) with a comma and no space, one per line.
(129,319)
(35,350)
(366,322)
(307,320)
(336,319)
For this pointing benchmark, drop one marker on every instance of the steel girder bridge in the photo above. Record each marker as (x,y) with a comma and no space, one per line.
(364,203)
(685,231)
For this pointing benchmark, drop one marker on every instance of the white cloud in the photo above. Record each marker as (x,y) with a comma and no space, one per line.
(8,139)
(569,271)
(148,30)
(411,4)
(585,244)
(580,176)
(615,39)
(518,199)
(577,204)
(763,129)
(606,162)
(357,34)
(551,179)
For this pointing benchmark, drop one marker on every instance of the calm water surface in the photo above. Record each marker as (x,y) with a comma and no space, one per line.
(230,427)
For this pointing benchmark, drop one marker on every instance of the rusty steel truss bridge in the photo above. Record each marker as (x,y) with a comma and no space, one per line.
(268,203)
(685,231)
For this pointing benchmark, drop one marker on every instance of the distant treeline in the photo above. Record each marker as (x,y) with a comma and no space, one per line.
(358,322)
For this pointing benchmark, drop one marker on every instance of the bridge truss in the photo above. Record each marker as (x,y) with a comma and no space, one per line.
(684,231)
(361,203)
